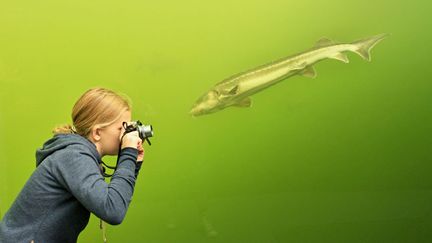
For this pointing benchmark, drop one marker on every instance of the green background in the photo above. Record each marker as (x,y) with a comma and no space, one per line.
(344,157)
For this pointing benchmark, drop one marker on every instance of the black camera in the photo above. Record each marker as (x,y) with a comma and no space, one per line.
(144,131)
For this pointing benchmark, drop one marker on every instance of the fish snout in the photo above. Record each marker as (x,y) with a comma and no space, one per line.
(195,111)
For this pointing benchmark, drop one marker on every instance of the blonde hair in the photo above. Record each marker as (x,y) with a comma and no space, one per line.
(97,106)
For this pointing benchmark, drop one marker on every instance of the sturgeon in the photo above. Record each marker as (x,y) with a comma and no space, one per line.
(237,89)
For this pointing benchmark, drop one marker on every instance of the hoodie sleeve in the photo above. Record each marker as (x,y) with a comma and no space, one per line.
(138,168)
(78,172)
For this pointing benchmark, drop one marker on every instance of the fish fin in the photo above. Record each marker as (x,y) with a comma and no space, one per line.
(341,57)
(301,66)
(231,91)
(246,102)
(309,72)
(363,47)
(324,42)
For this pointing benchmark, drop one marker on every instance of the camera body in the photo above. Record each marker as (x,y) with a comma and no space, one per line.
(144,131)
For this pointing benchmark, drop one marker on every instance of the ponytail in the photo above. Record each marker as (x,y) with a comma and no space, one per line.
(64,129)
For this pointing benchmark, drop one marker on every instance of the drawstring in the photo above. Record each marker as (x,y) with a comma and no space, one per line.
(102,226)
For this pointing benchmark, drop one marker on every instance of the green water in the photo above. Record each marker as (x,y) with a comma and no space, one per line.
(344,157)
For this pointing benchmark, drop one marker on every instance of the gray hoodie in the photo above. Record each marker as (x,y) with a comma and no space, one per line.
(56,201)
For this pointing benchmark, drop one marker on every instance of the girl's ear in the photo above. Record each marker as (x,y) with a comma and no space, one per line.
(95,133)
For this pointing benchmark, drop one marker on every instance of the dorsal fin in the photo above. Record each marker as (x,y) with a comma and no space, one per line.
(324,42)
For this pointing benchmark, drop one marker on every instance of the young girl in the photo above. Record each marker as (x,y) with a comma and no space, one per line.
(56,201)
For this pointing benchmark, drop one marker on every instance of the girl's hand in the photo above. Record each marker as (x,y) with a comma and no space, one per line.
(132,140)
(140,151)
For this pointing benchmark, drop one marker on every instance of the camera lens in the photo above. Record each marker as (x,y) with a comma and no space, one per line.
(145,131)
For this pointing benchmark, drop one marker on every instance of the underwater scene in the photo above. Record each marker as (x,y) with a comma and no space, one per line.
(274,121)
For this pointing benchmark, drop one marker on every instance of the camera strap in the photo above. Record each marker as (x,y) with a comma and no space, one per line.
(103,169)
(102,224)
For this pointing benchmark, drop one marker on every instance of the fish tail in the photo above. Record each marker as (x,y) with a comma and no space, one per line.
(364,46)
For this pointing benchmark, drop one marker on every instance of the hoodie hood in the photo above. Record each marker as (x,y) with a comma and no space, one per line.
(61,141)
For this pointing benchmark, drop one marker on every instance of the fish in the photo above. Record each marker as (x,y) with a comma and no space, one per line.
(235,91)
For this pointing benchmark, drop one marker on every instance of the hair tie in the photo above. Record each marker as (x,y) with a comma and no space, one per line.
(73,129)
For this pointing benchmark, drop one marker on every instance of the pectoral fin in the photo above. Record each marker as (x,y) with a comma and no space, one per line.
(309,72)
(231,91)
(246,102)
